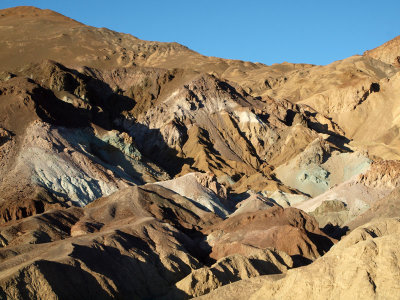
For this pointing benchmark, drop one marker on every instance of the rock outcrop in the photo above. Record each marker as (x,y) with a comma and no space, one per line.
(389,52)
(233,268)
(289,230)
(347,201)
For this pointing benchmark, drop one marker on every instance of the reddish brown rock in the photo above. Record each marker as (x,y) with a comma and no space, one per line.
(289,230)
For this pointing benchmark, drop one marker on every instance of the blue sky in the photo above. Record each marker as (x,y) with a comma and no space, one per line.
(317,32)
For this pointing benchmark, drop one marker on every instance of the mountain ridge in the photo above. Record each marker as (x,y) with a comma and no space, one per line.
(140,169)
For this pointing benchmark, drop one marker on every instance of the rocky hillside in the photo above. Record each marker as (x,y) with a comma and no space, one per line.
(364,265)
(134,169)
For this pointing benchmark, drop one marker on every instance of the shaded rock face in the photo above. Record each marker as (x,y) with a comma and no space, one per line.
(114,263)
(20,210)
(117,246)
(233,268)
(5,136)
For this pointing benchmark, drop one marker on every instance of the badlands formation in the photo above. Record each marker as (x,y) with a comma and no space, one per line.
(133,169)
